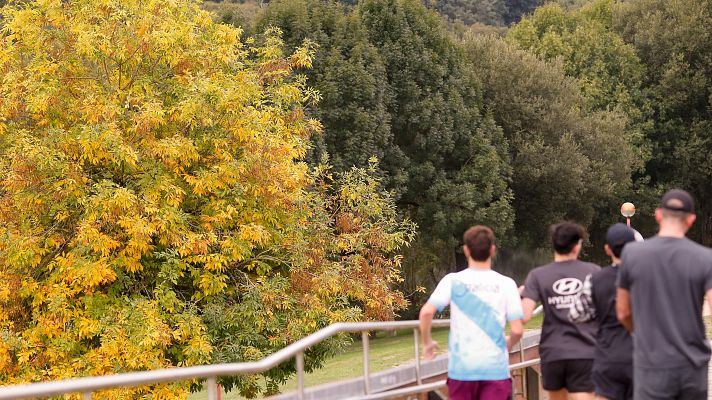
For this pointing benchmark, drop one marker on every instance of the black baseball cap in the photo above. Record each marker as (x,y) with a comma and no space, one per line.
(678,200)
(619,234)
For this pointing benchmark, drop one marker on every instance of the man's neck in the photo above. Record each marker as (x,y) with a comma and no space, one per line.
(674,231)
(479,264)
(565,257)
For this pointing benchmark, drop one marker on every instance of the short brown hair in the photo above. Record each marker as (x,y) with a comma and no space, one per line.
(479,240)
(565,236)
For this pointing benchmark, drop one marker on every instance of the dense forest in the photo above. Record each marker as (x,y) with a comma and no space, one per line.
(502,113)
(182,187)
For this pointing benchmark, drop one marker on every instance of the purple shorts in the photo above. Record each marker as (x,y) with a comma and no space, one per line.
(479,390)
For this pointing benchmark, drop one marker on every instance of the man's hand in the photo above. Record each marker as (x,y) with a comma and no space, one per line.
(426,319)
(516,331)
(429,349)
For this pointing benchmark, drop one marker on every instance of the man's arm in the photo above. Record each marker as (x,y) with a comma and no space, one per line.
(516,330)
(624,311)
(528,306)
(426,320)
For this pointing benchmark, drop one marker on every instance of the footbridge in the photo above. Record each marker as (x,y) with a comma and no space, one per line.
(419,380)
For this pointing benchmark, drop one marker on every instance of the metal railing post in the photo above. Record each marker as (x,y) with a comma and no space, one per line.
(366,375)
(525,393)
(416,339)
(212,388)
(300,375)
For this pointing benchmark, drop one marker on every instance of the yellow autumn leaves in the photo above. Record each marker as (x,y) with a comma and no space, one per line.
(151,172)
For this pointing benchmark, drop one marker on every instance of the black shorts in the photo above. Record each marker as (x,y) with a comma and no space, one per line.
(572,375)
(683,383)
(613,381)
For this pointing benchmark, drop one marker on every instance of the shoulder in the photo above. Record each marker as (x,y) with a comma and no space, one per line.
(604,272)
(540,270)
(639,246)
(591,267)
(698,247)
(448,278)
(505,280)
(601,272)
(699,254)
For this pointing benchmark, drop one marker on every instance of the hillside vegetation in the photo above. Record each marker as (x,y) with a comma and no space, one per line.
(183,185)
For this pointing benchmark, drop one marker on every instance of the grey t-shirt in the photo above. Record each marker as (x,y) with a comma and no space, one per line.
(556,286)
(667,278)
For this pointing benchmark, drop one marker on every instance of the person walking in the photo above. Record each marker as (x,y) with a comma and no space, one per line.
(612,373)
(566,349)
(662,284)
(481,302)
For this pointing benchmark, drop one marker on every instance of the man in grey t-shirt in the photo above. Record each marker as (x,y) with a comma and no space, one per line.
(662,285)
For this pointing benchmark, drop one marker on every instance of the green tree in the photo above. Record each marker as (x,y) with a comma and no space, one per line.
(566,160)
(155,210)
(609,75)
(395,85)
(516,9)
(673,41)
(455,154)
(239,14)
(608,70)
(350,76)
(489,12)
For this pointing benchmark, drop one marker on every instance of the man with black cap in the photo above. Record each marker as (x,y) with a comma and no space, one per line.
(612,373)
(662,285)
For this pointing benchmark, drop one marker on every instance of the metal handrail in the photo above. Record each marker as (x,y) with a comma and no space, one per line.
(132,379)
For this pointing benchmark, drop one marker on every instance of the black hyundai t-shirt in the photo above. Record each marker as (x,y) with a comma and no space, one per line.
(556,285)
(614,343)
(667,278)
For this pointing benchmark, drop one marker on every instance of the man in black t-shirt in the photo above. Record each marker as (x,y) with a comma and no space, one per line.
(612,373)
(566,349)
(662,285)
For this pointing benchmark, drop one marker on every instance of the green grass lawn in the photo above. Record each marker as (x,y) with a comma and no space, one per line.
(385,352)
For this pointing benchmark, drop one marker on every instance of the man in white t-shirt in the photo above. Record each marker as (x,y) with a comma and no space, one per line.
(481,302)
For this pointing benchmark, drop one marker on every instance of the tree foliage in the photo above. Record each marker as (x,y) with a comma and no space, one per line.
(166,197)
(565,160)
(397,86)
(608,70)
(454,155)
(673,40)
(350,76)
(154,210)
(489,12)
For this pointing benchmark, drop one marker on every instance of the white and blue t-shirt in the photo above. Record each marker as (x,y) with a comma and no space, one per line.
(481,301)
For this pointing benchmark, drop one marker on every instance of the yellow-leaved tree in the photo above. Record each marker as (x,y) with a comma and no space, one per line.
(154,210)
